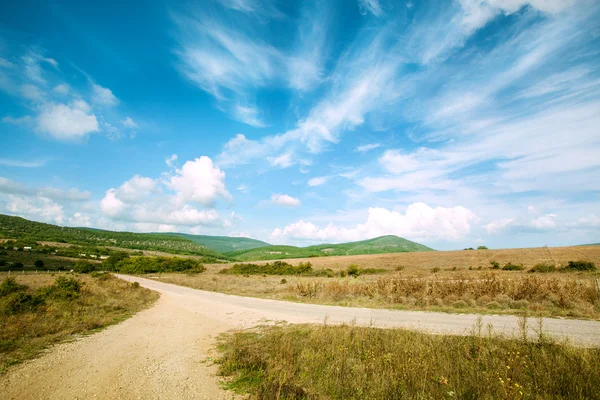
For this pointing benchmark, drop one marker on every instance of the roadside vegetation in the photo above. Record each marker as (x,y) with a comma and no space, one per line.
(37,310)
(349,362)
(569,290)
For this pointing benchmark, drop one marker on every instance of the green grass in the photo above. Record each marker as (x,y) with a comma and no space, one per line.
(39,310)
(380,245)
(348,362)
(223,244)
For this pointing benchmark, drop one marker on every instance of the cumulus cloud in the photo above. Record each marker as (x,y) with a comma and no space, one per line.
(46,204)
(544,222)
(419,222)
(285,200)
(172,199)
(67,122)
(62,88)
(201,181)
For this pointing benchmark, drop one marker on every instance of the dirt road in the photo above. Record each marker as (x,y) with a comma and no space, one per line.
(163,352)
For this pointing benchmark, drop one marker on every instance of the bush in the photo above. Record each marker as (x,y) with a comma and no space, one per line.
(135,285)
(2,263)
(275,268)
(512,267)
(581,266)
(543,267)
(64,288)
(39,264)
(283,281)
(353,270)
(482,248)
(10,285)
(84,267)
(495,264)
(23,302)
(147,265)
(110,264)
(17,265)
(435,270)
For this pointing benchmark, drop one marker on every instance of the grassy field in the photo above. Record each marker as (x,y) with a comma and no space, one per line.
(434,281)
(347,362)
(37,310)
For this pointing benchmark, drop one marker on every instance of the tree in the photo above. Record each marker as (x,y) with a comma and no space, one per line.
(39,264)
(482,248)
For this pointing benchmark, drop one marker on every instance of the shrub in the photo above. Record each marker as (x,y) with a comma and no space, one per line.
(275,268)
(495,264)
(17,265)
(110,264)
(343,274)
(512,267)
(22,302)
(353,270)
(2,263)
(84,267)
(135,285)
(39,264)
(64,288)
(482,248)
(283,281)
(581,266)
(543,267)
(435,270)
(9,285)
(146,265)
(468,248)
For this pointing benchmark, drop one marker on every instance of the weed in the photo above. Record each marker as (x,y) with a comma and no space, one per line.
(581,266)
(9,285)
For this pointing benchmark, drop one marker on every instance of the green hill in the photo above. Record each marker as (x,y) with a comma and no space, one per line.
(20,228)
(380,245)
(224,244)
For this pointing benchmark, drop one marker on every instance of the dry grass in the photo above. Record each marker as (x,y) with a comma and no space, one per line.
(348,362)
(436,281)
(102,301)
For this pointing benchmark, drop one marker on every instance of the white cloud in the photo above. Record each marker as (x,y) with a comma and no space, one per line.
(372,6)
(199,181)
(5,63)
(248,115)
(136,189)
(367,147)
(62,88)
(243,188)
(25,120)
(103,96)
(282,161)
(477,13)
(591,221)
(32,93)
(498,225)
(11,187)
(285,200)
(318,181)
(67,122)
(129,123)
(40,208)
(419,222)
(21,163)
(171,161)
(544,222)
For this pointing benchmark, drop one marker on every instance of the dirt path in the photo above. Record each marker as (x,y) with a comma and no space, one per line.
(160,353)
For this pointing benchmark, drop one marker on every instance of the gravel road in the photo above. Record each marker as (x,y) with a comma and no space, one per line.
(164,352)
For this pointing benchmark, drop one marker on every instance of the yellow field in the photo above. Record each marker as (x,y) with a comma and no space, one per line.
(450,281)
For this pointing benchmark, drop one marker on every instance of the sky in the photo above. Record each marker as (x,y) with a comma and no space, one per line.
(451,123)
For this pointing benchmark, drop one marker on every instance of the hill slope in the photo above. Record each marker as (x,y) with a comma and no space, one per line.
(223,244)
(380,245)
(20,228)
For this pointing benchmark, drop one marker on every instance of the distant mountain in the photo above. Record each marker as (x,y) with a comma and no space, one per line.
(379,245)
(212,248)
(20,228)
(224,244)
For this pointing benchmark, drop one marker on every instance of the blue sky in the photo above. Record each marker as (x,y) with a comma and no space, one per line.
(451,123)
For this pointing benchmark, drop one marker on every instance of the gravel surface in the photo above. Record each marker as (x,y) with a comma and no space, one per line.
(165,352)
